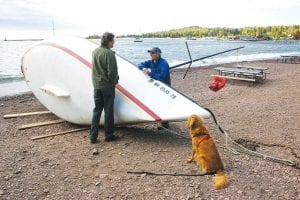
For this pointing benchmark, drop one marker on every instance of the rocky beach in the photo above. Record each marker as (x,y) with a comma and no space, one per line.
(264,117)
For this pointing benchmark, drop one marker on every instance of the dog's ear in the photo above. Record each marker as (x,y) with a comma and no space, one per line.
(192,122)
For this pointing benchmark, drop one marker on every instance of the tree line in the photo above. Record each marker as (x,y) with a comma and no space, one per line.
(269,32)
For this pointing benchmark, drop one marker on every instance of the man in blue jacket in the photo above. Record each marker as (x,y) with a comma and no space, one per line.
(158,69)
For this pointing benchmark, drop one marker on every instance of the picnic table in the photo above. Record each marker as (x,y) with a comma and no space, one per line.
(244,73)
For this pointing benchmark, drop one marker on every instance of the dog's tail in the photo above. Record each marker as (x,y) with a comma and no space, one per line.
(220,180)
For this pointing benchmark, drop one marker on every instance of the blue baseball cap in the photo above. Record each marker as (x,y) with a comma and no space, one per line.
(154,50)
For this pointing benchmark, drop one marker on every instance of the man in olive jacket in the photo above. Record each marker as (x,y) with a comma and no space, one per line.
(105,77)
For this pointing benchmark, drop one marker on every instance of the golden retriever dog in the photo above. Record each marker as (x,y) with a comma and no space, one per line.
(205,150)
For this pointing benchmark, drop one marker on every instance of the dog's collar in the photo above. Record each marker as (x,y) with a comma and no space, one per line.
(206,137)
(200,134)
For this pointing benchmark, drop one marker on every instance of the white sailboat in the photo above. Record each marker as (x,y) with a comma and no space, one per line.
(58,71)
(138,39)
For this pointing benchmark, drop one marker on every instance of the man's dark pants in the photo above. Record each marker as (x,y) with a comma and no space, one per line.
(104,98)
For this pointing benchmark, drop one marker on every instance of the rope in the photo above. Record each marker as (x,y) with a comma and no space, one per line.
(265,157)
(167,174)
(249,152)
(215,120)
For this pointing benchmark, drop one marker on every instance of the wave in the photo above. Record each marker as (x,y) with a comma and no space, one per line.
(10,78)
(240,58)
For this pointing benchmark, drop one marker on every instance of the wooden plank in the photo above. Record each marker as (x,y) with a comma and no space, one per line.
(26,126)
(240,79)
(250,67)
(25,114)
(236,78)
(59,133)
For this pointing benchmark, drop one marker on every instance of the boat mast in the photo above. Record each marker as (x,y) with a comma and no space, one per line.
(53,28)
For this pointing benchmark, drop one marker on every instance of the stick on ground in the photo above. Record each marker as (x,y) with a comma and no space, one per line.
(59,133)
(25,114)
(26,126)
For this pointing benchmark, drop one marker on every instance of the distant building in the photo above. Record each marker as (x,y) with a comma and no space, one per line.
(296,35)
(248,38)
(233,37)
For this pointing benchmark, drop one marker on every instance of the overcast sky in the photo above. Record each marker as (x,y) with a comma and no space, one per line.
(33,18)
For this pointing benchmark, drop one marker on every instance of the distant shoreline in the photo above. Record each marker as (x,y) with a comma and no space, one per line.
(17,40)
(208,39)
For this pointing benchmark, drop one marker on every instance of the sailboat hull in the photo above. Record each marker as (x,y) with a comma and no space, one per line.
(58,71)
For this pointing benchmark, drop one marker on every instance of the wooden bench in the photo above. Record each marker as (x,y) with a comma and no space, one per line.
(250,80)
(236,78)
(254,68)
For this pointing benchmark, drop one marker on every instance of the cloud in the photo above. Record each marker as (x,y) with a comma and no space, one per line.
(136,16)
(23,14)
(30,15)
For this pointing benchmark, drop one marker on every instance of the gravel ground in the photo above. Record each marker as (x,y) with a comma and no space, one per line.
(68,167)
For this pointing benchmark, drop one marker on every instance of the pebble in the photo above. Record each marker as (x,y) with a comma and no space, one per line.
(2,192)
(18,172)
(95,152)
(20,159)
(46,191)
(103,175)
(167,193)
(97,183)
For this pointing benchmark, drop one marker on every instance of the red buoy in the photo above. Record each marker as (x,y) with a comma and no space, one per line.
(217,83)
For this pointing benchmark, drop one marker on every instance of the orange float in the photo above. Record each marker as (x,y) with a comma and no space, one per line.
(217,83)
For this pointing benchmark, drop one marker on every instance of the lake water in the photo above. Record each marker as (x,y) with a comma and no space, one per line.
(174,50)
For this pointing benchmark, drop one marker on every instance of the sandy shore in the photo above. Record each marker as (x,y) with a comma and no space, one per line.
(64,167)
